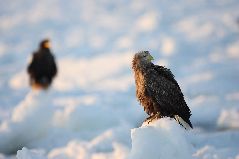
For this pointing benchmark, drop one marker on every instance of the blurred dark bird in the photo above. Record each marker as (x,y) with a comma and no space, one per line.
(158,92)
(42,68)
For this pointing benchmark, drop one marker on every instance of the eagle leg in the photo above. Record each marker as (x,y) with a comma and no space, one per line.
(148,119)
(152,117)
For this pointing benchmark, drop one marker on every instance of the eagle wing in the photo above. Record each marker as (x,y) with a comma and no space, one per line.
(164,89)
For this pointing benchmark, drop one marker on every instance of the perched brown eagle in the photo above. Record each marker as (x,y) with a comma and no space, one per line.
(42,69)
(158,91)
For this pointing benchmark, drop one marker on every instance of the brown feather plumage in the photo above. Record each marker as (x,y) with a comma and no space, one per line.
(157,90)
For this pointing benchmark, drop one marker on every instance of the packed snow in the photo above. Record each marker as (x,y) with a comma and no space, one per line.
(91,111)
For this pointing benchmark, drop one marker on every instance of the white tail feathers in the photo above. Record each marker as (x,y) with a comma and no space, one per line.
(182,122)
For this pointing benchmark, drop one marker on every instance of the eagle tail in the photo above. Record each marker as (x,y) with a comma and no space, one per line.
(186,124)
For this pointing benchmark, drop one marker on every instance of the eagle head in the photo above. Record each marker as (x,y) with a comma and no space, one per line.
(142,58)
(45,44)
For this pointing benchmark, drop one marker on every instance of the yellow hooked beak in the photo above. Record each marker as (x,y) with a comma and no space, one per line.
(151,58)
(47,45)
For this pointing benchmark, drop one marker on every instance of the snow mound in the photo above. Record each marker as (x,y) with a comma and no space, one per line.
(38,122)
(108,145)
(163,139)
(210,152)
(77,150)
(229,119)
(30,154)
(30,120)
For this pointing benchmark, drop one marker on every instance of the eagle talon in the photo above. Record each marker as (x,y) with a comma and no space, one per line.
(152,118)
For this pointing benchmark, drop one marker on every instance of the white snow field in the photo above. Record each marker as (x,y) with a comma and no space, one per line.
(91,111)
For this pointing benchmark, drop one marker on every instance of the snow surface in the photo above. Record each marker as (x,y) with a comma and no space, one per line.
(91,111)
(161,140)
